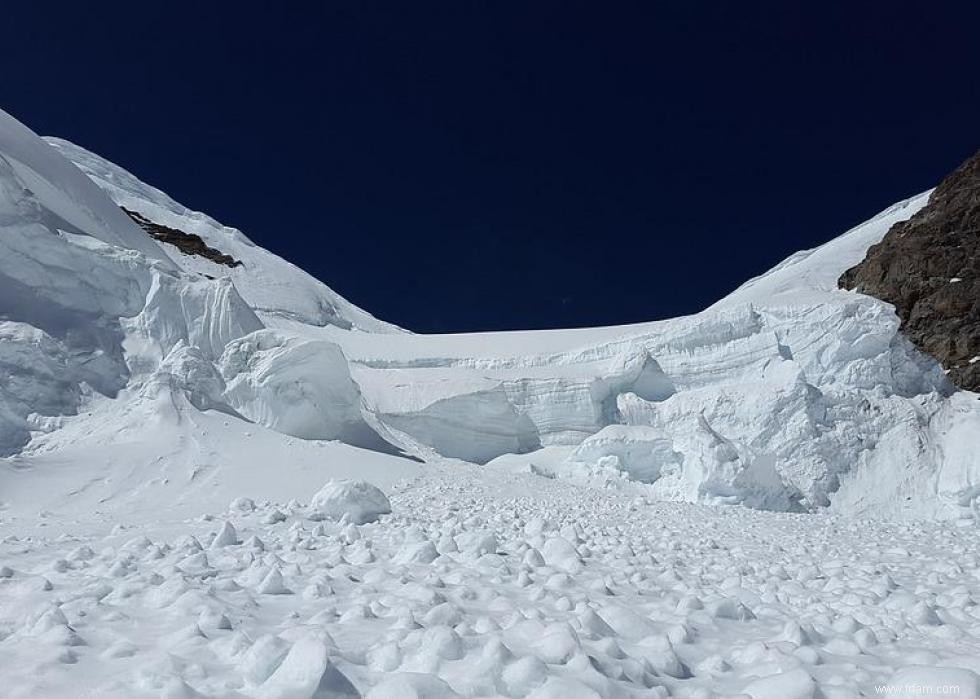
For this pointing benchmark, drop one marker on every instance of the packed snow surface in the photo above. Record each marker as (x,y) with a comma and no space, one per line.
(489,583)
(232,482)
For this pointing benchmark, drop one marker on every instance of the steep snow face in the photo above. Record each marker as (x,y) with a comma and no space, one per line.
(35,380)
(61,195)
(273,287)
(477,411)
(810,276)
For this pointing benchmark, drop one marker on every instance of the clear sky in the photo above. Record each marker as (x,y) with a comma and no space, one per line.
(461,165)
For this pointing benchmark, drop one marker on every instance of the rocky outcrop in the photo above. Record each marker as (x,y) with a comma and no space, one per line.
(187,243)
(929,268)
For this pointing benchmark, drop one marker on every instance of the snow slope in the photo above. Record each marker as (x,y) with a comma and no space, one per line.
(37,177)
(272,286)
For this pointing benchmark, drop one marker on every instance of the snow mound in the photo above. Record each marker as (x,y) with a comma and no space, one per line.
(357,501)
(306,672)
(411,685)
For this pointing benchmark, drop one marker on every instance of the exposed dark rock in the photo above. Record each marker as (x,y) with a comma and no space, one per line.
(187,243)
(929,268)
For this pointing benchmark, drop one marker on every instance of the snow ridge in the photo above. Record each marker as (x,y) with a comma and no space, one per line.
(272,286)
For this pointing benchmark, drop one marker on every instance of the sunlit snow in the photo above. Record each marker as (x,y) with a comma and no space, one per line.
(221,482)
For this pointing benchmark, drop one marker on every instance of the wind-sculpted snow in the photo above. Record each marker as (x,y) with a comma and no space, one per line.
(478,414)
(473,427)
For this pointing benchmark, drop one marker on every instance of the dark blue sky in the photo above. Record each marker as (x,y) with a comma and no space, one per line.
(461,165)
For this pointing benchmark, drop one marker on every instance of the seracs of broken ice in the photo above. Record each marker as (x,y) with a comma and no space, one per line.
(296,386)
(789,394)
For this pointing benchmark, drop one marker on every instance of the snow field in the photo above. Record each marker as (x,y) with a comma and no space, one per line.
(493,585)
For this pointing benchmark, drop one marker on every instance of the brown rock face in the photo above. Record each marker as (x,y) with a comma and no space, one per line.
(929,268)
(187,243)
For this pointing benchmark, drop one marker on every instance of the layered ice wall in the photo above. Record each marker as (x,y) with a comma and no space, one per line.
(780,396)
(788,394)
(773,407)
(91,307)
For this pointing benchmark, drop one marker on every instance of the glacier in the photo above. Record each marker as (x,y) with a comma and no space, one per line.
(787,394)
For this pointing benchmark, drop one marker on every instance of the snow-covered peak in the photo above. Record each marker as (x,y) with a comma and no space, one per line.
(808,276)
(276,289)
